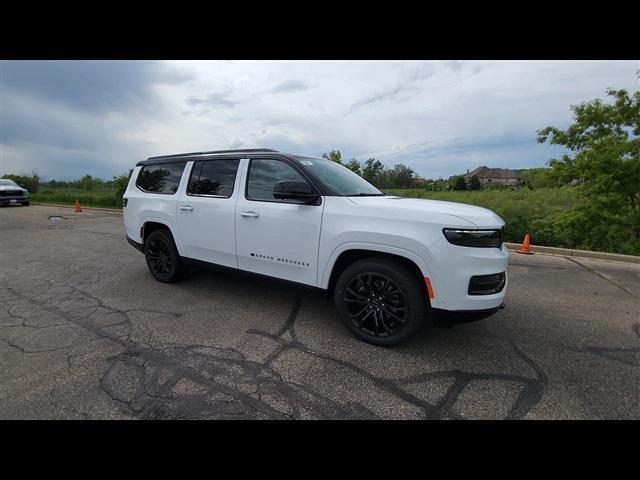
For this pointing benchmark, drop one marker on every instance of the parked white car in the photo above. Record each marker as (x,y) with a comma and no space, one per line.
(11,193)
(386,260)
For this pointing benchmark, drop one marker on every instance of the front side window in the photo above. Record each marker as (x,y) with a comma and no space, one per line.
(213,177)
(163,178)
(263,176)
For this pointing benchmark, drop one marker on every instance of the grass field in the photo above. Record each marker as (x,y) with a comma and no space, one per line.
(105,198)
(522,209)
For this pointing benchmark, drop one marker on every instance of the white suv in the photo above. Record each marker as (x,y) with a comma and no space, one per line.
(386,260)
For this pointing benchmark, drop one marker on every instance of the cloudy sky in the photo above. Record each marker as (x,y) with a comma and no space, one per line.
(69,118)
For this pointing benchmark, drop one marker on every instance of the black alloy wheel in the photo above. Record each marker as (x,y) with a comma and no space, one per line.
(376,304)
(162,257)
(380,300)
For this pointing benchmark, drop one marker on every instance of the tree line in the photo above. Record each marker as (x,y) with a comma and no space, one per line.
(372,170)
(35,184)
(401,176)
(90,184)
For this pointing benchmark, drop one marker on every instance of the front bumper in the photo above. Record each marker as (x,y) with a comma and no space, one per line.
(446,318)
(454,268)
(13,200)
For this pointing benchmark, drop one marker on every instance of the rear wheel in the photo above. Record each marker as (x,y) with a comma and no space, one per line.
(380,301)
(163,258)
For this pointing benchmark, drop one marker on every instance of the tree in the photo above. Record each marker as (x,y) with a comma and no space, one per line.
(334,155)
(34,180)
(121,182)
(474,183)
(86,182)
(459,183)
(354,166)
(604,160)
(404,176)
(539,178)
(371,170)
(400,176)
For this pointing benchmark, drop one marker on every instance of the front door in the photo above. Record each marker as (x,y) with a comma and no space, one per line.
(274,237)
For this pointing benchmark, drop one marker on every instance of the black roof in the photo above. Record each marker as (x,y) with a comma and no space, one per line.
(183,157)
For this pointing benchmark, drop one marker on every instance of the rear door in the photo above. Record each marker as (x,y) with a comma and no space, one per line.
(274,237)
(206,211)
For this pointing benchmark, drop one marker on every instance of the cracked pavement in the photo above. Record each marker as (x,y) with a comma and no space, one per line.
(86,333)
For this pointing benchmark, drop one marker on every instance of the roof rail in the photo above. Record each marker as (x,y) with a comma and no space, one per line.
(212,152)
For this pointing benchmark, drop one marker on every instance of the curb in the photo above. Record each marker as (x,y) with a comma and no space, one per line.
(99,209)
(568,252)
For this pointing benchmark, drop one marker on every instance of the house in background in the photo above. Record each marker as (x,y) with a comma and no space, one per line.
(495,177)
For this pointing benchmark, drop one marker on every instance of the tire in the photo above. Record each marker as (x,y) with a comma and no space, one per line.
(163,258)
(25,204)
(385,321)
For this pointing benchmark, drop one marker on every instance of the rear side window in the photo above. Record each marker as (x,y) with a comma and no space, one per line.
(163,178)
(263,176)
(213,177)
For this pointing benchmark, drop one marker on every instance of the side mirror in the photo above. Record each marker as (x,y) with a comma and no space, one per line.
(300,191)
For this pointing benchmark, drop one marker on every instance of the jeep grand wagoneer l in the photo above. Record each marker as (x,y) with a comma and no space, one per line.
(386,260)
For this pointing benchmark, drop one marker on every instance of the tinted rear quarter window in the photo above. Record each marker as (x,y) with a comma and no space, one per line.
(163,178)
(213,177)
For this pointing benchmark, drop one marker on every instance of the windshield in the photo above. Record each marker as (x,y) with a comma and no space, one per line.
(338,179)
(7,183)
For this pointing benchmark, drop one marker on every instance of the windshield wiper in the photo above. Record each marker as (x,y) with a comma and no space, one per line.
(367,195)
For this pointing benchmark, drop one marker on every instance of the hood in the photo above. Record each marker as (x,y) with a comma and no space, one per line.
(9,187)
(479,216)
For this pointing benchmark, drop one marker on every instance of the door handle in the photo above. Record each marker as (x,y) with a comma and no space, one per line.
(249,214)
(187,208)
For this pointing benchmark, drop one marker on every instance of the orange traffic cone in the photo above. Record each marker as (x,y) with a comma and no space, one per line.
(525,246)
(77,208)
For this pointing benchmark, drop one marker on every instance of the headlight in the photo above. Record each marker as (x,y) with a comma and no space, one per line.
(473,238)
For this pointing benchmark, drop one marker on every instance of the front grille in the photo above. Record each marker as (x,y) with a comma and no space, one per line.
(10,193)
(487,284)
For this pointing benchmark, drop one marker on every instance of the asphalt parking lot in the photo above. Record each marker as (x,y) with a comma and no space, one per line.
(87,333)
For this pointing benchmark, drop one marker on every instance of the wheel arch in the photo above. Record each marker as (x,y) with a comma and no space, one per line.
(343,257)
(153,224)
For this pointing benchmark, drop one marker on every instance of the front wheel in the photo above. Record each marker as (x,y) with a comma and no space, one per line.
(25,204)
(380,301)
(163,258)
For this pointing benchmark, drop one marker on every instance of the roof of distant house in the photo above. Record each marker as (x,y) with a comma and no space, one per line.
(486,172)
